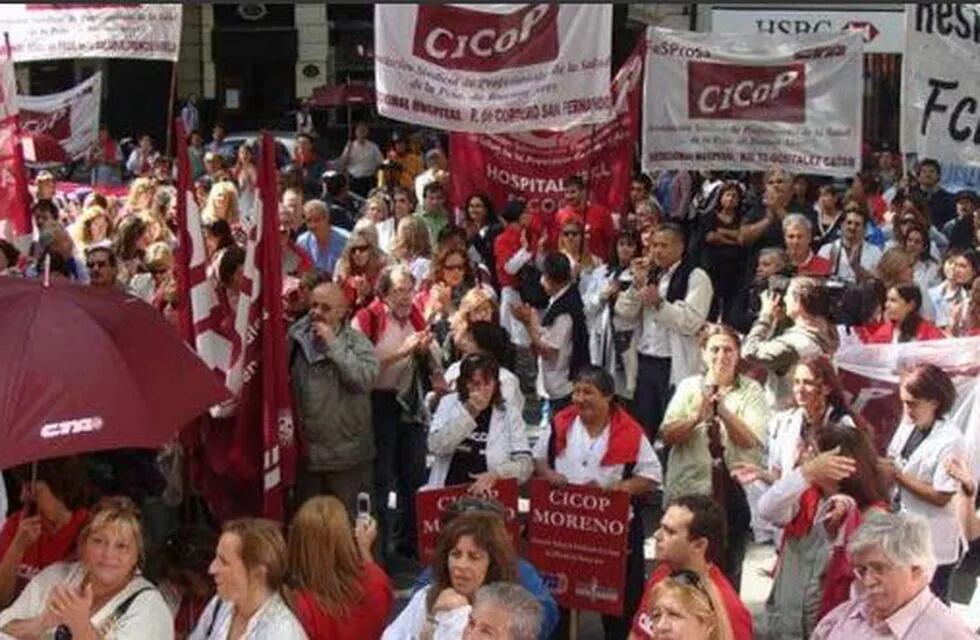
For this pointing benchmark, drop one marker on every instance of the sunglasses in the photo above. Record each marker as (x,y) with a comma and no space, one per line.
(453,267)
(692,579)
(571,233)
(97,264)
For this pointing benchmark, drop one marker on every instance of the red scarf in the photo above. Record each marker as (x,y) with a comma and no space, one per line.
(625,435)
(374,318)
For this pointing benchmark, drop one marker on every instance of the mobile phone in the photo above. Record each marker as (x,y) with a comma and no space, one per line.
(363,504)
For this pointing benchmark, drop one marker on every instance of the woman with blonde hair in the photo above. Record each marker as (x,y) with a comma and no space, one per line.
(336,588)
(682,607)
(479,304)
(412,247)
(93,227)
(376,210)
(360,264)
(140,196)
(249,570)
(102,595)
(222,204)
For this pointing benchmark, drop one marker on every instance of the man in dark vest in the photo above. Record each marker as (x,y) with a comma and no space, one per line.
(560,338)
(673,297)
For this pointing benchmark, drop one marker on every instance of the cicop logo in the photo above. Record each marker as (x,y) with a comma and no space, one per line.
(467,40)
(69,427)
(740,92)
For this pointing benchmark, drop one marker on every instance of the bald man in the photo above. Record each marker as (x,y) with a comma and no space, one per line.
(332,368)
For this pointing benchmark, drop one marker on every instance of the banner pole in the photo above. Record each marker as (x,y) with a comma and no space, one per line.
(170,106)
(573,624)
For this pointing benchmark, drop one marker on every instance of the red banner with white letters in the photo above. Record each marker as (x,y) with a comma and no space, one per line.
(431,504)
(532,165)
(15,220)
(578,543)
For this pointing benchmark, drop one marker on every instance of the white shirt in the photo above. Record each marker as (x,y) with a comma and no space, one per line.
(409,623)
(273,621)
(655,339)
(927,465)
(147,616)
(553,373)
(840,265)
(581,461)
(361,158)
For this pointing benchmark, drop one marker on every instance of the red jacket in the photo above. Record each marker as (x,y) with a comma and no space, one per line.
(373,319)
(600,230)
(738,615)
(367,619)
(882,334)
(505,246)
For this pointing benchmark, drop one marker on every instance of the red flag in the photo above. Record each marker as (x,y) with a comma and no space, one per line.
(15,219)
(246,456)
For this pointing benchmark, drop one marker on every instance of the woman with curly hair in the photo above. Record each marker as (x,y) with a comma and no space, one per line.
(93,227)
(473,550)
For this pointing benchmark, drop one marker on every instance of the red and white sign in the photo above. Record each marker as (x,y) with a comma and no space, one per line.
(15,220)
(941,83)
(870,375)
(532,165)
(69,120)
(493,68)
(578,543)
(80,30)
(431,504)
(727,102)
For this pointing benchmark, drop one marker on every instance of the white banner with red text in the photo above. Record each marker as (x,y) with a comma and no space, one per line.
(61,126)
(870,374)
(728,102)
(493,68)
(79,30)
(941,83)
(532,166)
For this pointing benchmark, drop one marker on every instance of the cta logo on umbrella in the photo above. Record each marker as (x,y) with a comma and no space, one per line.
(69,427)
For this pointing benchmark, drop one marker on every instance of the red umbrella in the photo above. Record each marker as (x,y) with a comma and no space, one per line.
(87,369)
(340,95)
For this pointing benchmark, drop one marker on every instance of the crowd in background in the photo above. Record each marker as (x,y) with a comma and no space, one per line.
(680,349)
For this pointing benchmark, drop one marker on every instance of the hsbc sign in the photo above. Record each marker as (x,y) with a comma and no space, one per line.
(882,31)
(741,92)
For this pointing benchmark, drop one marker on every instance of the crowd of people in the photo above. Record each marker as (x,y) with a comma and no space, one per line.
(680,350)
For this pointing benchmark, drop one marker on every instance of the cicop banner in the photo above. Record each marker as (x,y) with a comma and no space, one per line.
(68,120)
(431,504)
(532,165)
(80,30)
(729,102)
(577,539)
(493,68)
(941,83)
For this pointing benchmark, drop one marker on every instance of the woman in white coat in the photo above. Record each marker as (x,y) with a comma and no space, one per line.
(475,436)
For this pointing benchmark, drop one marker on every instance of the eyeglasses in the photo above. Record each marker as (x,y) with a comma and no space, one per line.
(876,569)
(571,233)
(692,579)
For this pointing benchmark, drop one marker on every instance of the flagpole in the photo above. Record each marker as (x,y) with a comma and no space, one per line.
(170,105)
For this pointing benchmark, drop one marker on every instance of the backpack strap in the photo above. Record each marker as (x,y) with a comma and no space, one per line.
(122,608)
(214,618)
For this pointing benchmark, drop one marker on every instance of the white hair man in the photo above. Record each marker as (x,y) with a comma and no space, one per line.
(503,611)
(798,237)
(893,563)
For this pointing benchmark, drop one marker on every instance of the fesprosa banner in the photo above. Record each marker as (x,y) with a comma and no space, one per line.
(728,102)
(941,83)
(79,30)
(532,165)
(493,68)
